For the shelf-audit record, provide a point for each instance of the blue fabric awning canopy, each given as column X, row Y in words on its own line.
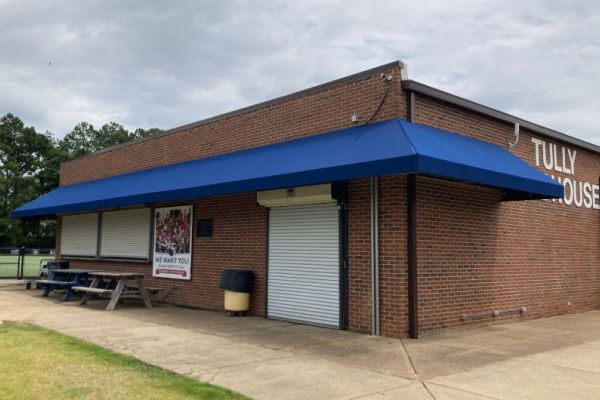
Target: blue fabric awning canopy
column 389, row 147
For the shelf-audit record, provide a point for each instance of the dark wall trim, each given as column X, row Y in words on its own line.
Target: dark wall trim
column 437, row 94
column 343, row 253
column 99, row 235
column 304, row 92
column 411, row 246
column 124, row 259
column 151, row 241
column 268, row 218
column 410, row 109
column 374, row 231
column 411, row 238
column 76, row 257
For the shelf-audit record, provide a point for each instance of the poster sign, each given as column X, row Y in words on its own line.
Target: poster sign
column 173, row 242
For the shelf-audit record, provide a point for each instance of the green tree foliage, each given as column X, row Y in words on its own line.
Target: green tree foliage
column 85, row 139
column 23, row 161
column 78, row 142
column 30, row 166
column 144, row 133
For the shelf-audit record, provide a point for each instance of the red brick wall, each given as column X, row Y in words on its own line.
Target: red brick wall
column 359, row 255
column 393, row 294
column 317, row 112
column 240, row 224
column 393, row 267
column 238, row 241
column 477, row 254
column 457, row 252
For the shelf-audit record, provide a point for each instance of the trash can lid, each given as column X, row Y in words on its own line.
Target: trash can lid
column 237, row 280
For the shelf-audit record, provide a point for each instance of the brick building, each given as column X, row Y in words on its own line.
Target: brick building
column 354, row 205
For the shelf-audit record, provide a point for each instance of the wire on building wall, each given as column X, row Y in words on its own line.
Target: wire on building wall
column 388, row 83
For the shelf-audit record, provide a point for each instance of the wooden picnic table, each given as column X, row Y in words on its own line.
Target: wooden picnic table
column 121, row 291
column 65, row 279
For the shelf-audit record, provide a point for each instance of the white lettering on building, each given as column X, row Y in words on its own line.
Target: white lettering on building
column 562, row 159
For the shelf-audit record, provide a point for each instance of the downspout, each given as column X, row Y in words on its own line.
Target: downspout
column 374, row 256
column 411, row 235
column 511, row 145
column 374, row 183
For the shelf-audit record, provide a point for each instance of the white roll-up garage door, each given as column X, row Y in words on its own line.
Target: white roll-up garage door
column 126, row 234
column 303, row 274
column 79, row 235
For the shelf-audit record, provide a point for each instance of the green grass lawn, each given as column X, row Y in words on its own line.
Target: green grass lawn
column 36, row 363
column 8, row 265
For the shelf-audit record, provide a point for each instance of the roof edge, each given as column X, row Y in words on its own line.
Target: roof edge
column 410, row 85
column 253, row 107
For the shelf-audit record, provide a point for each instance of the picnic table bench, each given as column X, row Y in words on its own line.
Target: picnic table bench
column 121, row 291
column 63, row 279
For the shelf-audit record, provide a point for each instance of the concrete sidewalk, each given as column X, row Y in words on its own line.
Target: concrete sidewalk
column 552, row 358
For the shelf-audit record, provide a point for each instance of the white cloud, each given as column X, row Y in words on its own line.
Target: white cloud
column 151, row 63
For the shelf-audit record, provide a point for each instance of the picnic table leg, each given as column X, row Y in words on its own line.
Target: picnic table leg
column 114, row 298
column 143, row 292
column 87, row 296
column 106, row 284
column 48, row 287
column 68, row 294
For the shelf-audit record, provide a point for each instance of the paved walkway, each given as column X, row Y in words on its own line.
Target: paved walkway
column 552, row 358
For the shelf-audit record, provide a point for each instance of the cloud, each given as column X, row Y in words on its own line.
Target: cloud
column 157, row 64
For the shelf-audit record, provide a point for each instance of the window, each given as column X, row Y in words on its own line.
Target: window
column 79, row 235
column 126, row 234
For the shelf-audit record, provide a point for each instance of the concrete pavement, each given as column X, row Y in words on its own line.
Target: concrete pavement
column 551, row 358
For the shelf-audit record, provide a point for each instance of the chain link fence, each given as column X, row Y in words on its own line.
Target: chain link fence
column 23, row 263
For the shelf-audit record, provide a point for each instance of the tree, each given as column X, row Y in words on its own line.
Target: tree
column 24, row 156
column 111, row 134
column 30, row 166
column 85, row 139
column 79, row 141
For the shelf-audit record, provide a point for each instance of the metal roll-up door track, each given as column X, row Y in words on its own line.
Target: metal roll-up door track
column 304, row 273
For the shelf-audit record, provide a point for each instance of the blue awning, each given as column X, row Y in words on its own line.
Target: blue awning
column 389, row 147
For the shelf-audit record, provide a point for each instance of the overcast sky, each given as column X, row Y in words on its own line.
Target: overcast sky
column 167, row 63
